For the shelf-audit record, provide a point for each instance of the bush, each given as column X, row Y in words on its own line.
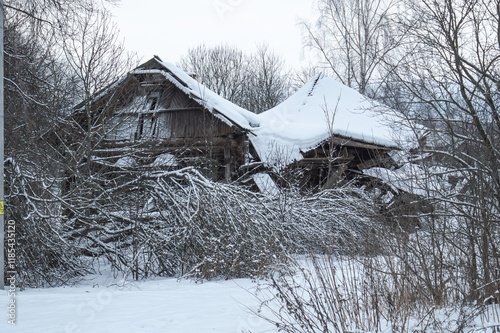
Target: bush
column 182, row 224
column 362, row 294
column 175, row 223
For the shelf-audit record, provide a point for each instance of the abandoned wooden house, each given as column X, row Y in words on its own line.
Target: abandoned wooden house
column 158, row 116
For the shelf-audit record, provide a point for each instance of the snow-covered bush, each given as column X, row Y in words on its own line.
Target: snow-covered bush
column 149, row 222
column 42, row 254
column 191, row 226
column 179, row 223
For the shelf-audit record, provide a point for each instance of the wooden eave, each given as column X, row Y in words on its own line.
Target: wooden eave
column 349, row 142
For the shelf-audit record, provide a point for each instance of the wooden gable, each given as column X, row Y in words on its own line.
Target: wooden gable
column 152, row 108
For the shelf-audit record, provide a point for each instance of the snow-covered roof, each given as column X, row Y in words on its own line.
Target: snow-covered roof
column 321, row 108
column 225, row 110
column 413, row 178
column 265, row 184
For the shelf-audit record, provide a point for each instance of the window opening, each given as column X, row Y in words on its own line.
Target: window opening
column 153, row 99
column 140, row 127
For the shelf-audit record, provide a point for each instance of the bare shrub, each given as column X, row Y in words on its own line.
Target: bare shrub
column 358, row 294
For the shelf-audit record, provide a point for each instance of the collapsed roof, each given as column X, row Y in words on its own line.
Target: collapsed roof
column 323, row 108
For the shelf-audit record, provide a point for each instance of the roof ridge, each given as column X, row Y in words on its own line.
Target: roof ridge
column 318, row 76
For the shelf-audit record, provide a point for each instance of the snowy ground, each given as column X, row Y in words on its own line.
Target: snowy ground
column 161, row 305
column 100, row 304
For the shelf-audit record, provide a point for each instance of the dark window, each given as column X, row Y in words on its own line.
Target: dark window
column 140, row 127
column 153, row 99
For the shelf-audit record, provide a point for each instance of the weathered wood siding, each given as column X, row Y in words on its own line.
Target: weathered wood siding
column 172, row 115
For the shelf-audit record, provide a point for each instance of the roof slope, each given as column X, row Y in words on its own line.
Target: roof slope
column 321, row 108
column 227, row 111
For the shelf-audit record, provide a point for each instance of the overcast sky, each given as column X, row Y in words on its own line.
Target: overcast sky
column 169, row 28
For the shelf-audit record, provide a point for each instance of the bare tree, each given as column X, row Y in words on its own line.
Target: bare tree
column 95, row 59
column 452, row 69
column 269, row 80
column 223, row 69
column 354, row 40
column 256, row 82
column 40, row 89
column 93, row 52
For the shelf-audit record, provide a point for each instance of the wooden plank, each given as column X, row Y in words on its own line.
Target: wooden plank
column 161, row 110
column 246, row 151
column 370, row 163
column 341, row 141
column 227, row 162
column 340, row 159
column 334, row 178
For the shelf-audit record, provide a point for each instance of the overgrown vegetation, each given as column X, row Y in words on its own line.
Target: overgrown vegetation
column 443, row 273
column 336, row 293
column 178, row 223
column 436, row 62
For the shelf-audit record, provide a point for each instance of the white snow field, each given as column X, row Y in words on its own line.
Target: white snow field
column 168, row 305
column 160, row 305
